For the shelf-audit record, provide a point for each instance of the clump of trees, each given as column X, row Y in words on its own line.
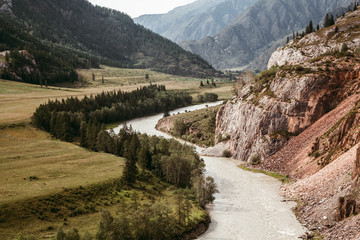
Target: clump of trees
column 328, row 22
column 207, row 97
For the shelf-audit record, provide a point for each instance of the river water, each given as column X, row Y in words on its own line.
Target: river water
column 248, row 205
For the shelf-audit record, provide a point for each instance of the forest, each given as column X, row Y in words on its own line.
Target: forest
column 72, row 117
column 147, row 157
column 62, row 36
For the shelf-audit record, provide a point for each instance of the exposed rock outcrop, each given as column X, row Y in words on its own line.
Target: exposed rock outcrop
column 286, row 100
column 326, row 41
column 314, row 94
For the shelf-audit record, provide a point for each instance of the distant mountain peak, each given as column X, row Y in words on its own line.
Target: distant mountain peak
column 194, row 21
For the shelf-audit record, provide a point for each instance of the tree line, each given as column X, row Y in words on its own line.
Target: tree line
column 70, row 118
column 167, row 160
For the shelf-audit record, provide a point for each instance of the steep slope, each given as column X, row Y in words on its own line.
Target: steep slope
column 196, row 20
column 104, row 35
column 303, row 119
column 286, row 100
column 261, row 27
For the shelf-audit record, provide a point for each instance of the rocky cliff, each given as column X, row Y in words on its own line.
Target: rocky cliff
column 287, row 99
column 301, row 118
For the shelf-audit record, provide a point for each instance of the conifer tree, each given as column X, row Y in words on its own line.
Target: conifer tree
column 83, row 134
column 130, row 169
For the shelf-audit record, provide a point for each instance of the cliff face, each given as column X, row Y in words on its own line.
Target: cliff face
column 286, row 100
column 260, row 123
column 302, row 118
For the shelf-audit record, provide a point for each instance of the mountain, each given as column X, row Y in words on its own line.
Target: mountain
column 301, row 118
column 94, row 35
column 263, row 26
column 196, row 20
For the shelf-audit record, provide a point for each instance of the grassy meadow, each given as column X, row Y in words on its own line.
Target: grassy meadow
column 47, row 183
column 18, row 101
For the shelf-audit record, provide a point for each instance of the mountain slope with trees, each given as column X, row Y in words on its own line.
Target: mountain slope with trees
column 196, row 20
column 92, row 35
column 262, row 27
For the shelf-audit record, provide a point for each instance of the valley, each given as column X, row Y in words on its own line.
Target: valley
column 111, row 131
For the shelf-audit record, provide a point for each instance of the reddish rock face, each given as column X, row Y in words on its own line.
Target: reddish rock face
column 263, row 126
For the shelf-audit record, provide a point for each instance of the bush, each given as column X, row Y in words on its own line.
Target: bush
column 227, row 153
column 255, row 160
column 179, row 127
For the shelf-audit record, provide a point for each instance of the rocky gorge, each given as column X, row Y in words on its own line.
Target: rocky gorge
column 301, row 118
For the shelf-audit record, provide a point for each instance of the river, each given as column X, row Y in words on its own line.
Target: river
column 248, row 205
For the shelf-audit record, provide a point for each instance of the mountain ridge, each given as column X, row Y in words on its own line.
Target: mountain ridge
column 263, row 26
column 97, row 35
column 196, row 20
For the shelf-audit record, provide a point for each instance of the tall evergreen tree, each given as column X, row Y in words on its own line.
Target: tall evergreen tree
column 130, row 169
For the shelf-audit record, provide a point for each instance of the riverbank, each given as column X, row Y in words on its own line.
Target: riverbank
column 247, row 201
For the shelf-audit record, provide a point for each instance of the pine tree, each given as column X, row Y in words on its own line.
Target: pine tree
column 309, row 28
column 327, row 20
column 287, row 40
column 331, row 20
column 130, row 169
column 83, row 134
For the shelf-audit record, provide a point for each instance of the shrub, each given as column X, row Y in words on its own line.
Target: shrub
column 227, row 153
column 255, row 160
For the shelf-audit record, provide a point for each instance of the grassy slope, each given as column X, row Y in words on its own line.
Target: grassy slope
column 198, row 121
column 27, row 152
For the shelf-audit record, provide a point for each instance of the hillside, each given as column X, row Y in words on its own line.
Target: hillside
column 91, row 35
column 262, row 27
column 301, row 118
column 196, row 20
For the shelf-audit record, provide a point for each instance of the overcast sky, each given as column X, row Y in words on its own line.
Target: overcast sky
column 135, row 8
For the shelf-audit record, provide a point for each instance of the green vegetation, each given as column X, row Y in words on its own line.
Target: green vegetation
column 281, row 134
column 74, row 117
column 39, row 63
column 197, row 127
column 62, row 201
column 226, row 153
column 207, row 97
column 62, row 185
column 282, row 178
column 61, row 42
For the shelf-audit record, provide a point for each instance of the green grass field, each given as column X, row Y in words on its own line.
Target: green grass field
column 18, row 101
column 34, row 167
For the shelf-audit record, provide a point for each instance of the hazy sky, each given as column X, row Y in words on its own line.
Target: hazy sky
column 135, row 8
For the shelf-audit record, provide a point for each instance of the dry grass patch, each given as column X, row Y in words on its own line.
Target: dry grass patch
column 32, row 164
